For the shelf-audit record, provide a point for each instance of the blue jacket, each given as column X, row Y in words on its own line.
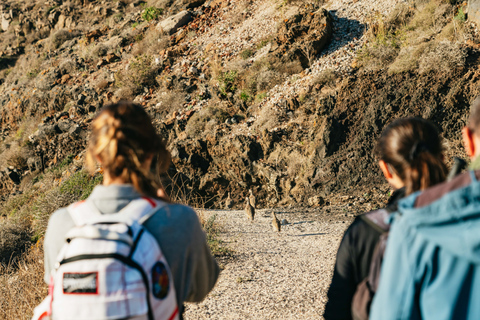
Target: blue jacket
column 431, row 268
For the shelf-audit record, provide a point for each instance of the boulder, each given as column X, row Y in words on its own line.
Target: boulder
column 34, row 164
column 61, row 22
column 5, row 21
column 315, row 201
column 171, row 24
column 302, row 36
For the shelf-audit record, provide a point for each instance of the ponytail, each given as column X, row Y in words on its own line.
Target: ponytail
column 412, row 146
column 425, row 170
column 124, row 139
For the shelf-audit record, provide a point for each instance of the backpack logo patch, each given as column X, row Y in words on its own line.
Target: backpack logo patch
column 80, row 283
column 160, row 280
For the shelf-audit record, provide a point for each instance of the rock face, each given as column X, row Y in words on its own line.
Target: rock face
column 171, row 24
column 303, row 36
column 299, row 140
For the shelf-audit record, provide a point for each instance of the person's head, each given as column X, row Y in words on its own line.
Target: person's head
column 410, row 153
column 124, row 142
column 471, row 133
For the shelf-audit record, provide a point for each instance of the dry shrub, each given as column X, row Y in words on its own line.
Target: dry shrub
column 15, row 238
column 444, row 57
column 205, row 120
column 94, row 51
column 152, row 43
column 326, row 77
column 125, row 93
column 375, row 57
column 59, row 37
column 67, row 66
column 100, row 50
column 296, row 164
column 140, row 73
column 265, row 80
column 15, row 155
column 453, row 31
column 268, row 118
column 289, row 68
column 22, row 286
column 399, row 17
column 407, row 59
column 400, row 40
column 261, row 77
column 431, row 17
column 26, row 68
column 169, row 101
column 17, row 161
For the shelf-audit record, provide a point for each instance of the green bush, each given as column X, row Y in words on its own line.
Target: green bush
column 247, row 53
column 151, row 13
column 226, row 82
column 245, row 96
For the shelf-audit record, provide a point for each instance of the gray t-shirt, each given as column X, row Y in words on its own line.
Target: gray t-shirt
column 176, row 228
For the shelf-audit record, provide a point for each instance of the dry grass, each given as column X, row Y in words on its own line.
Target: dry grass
column 421, row 37
column 268, row 118
column 442, row 58
column 327, row 78
column 15, row 238
column 169, row 101
column 407, row 59
column 140, row 73
column 22, row 286
column 61, row 36
column 205, row 120
column 152, row 43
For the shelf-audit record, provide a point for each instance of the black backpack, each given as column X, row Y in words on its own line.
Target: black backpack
column 362, row 299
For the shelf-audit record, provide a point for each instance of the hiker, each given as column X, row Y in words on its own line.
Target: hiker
column 124, row 143
column 431, row 268
column 410, row 157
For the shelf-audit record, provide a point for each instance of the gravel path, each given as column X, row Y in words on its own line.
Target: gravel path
column 274, row 276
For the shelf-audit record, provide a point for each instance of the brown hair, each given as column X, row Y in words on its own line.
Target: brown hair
column 123, row 138
column 412, row 147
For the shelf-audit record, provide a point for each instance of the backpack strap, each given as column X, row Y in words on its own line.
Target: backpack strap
column 376, row 219
column 140, row 210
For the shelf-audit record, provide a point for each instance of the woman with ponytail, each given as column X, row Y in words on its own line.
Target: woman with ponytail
column 125, row 144
column 410, row 157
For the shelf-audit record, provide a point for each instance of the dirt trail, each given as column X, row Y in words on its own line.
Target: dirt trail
column 274, row 276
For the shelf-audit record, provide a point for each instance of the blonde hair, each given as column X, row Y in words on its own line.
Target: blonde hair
column 123, row 138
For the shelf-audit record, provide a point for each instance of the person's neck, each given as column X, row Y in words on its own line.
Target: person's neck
column 108, row 179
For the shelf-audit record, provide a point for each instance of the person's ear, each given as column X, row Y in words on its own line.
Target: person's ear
column 99, row 160
column 385, row 170
column 468, row 143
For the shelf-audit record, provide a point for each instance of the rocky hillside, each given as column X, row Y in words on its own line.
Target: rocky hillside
column 284, row 97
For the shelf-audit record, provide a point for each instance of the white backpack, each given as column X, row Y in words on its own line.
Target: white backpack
column 110, row 267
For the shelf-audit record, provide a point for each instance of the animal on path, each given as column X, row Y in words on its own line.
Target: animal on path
column 275, row 222
column 249, row 209
column 253, row 200
column 228, row 202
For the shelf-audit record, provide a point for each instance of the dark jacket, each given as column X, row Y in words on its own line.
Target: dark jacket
column 353, row 263
column 432, row 261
